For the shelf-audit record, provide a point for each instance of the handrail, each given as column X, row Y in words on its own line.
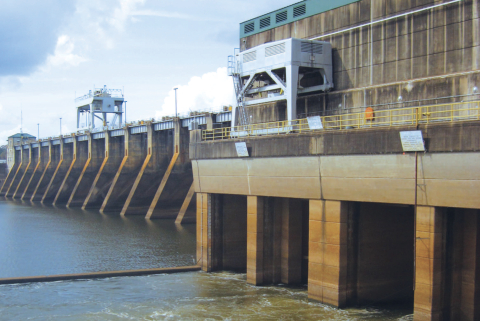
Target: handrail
column 452, row 112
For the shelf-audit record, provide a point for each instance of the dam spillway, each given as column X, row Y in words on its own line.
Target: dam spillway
column 307, row 180
column 138, row 169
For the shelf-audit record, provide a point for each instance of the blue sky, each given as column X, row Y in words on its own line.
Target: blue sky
column 52, row 50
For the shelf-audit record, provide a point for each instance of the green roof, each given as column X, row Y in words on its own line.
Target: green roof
column 20, row 135
column 294, row 12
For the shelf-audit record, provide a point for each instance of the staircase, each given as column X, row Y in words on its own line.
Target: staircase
column 234, row 71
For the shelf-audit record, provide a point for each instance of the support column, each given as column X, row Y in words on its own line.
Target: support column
column 35, row 171
column 291, row 264
column 204, row 242
column 20, row 183
column 100, row 170
column 175, row 159
column 142, row 170
column 186, row 203
column 430, row 255
column 291, row 93
column 255, row 218
column 67, row 175
column 327, row 270
column 59, row 165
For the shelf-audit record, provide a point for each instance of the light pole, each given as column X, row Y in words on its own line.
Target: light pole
column 60, row 126
column 38, row 131
column 125, row 112
column 176, row 115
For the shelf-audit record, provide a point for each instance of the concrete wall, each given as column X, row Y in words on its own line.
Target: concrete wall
column 426, row 55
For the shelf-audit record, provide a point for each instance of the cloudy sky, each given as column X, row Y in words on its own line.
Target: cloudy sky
column 54, row 50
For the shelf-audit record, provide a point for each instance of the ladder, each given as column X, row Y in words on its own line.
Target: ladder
column 234, row 71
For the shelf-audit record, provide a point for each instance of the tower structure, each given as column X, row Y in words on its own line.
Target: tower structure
column 98, row 104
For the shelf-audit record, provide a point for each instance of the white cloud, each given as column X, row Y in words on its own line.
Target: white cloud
column 163, row 14
column 209, row 92
column 120, row 14
column 64, row 53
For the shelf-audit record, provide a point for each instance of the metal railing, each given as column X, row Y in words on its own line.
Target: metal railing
column 453, row 112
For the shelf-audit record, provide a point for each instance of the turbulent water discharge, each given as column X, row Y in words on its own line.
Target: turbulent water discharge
column 38, row 240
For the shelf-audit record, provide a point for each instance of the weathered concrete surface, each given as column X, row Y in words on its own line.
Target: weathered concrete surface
column 61, row 170
column 96, row 153
column 426, row 55
column 11, row 174
column 222, row 232
column 50, row 157
column 118, row 193
column 347, row 168
column 105, row 175
column 39, row 154
column 439, row 138
column 71, row 177
column 19, row 175
column 31, row 168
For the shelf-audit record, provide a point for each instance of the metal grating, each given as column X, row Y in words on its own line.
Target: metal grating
column 275, row 50
column 138, row 129
column 117, row 132
column 249, row 27
column 264, row 22
column 164, row 125
column 314, row 48
column 224, row 117
column 250, row 56
column 98, row 135
column 300, row 10
column 281, row 16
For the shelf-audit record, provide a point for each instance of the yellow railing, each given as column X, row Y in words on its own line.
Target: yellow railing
column 454, row 112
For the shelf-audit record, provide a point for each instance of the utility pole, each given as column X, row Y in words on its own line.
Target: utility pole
column 176, row 114
column 60, row 126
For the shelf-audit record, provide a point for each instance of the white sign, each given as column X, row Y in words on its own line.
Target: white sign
column 412, row 141
column 242, row 150
column 315, row 122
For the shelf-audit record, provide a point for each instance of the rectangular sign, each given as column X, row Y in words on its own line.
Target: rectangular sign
column 242, row 150
column 315, row 122
column 412, row 141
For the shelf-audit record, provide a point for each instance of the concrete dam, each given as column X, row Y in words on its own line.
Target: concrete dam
column 350, row 162
column 142, row 169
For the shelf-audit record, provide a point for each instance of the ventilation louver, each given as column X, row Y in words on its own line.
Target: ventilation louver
column 249, row 27
column 300, row 10
column 314, row 48
column 265, row 22
column 250, row 56
column 275, row 50
column 281, row 16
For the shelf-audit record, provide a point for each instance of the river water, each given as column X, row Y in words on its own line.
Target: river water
column 42, row 240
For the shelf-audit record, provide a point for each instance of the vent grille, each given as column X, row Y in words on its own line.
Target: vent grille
column 275, row 50
column 250, row 56
column 249, row 27
column 281, row 16
column 300, row 10
column 265, row 22
column 314, row 48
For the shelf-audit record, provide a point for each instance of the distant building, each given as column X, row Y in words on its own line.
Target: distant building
column 16, row 140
